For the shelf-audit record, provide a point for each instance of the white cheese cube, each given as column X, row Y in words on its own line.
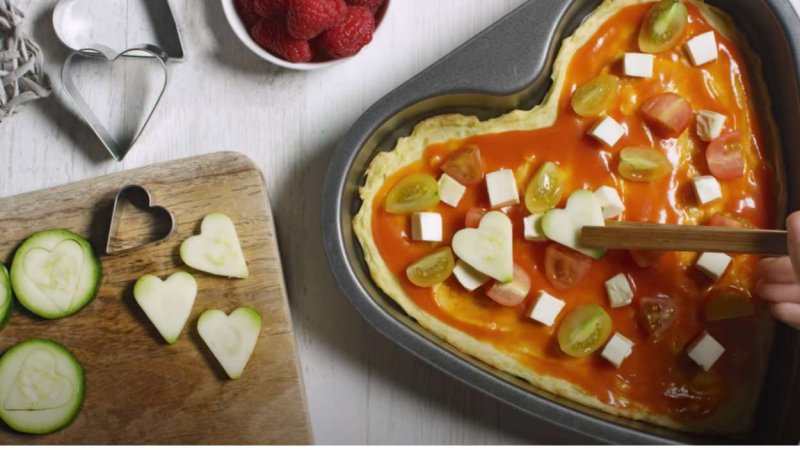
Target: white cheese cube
column 533, row 228
column 705, row 351
column 470, row 278
column 618, row 348
column 607, row 131
column 707, row 189
column 450, row 190
column 502, row 187
column 702, row 48
column 610, row 200
column 546, row 308
column 638, row 65
column 619, row 291
column 713, row 264
column 426, row 226
column 709, row 124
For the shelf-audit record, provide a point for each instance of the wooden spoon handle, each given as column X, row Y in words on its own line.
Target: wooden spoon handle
column 652, row 236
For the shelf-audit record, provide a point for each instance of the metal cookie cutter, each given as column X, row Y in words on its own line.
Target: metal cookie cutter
column 129, row 192
column 76, row 33
column 101, row 51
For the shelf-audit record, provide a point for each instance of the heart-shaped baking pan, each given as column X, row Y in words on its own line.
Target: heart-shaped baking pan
column 99, row 51
column 508, row 67
column 137, row 222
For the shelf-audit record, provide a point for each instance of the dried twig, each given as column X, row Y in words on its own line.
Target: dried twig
column 22, row 77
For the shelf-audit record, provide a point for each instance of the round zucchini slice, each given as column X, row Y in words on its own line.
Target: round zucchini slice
column 6, row 299
column 41, row 387
column 55, row 273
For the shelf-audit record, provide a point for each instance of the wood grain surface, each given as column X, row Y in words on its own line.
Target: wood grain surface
column 139, row 390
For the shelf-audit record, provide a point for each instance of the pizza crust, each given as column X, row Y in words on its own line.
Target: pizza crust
column 736, row 417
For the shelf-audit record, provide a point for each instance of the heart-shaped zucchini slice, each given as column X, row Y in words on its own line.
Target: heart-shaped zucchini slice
column 231, row 338
column 167, row 303
column 488, row 248
column 216, row 250
column 565, row 225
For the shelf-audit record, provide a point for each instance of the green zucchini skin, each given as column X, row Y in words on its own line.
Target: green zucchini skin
column 7, row 296
column 78, row 395
column 18, row 276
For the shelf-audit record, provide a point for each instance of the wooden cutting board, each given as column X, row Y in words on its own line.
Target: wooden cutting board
column 139, row 390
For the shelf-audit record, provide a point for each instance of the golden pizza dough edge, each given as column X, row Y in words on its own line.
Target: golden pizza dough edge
column 735, row 418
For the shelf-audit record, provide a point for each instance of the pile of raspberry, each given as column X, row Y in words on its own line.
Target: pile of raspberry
column 310, row 30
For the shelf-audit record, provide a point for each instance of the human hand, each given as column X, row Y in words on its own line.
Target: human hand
column 778, row 278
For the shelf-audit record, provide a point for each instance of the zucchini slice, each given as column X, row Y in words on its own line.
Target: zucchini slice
column 216, row 250
column 6, row 298
column 55, row 273
column 41, row 387
column 167, row 303
column 231, row 338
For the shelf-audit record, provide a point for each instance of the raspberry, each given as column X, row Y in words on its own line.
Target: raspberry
column 269, row 9
column 308, row 18
column 352, row 34
column 247, row 12
column 373, row 5
column 273, row 36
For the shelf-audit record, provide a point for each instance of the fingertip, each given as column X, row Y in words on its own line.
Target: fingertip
column 787, row 313
column 793, row 228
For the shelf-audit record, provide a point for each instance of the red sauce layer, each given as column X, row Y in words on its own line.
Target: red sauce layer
column 658, row 375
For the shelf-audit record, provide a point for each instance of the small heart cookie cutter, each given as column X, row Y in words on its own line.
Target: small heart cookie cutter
column 126, row 193
column 101, row 51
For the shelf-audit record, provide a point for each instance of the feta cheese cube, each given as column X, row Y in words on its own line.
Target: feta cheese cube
column 638, row 65
column 705, row 351
column 610, row 200
column 426, row 226
column 713, row 264
column 607, row 131
column 618, row 348
column 533, row 228
column 546, row 308
column 619, row 291
column 709, row 124
column 502, row 187
column 702, row 48
column 707, row 189
column 470, row 278
column 450, row 190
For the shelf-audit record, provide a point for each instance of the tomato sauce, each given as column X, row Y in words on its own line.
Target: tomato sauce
column 658, row 375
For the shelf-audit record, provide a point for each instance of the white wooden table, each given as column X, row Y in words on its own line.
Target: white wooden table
column 361, row 387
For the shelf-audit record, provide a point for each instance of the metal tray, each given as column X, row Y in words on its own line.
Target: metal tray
column 507, row 67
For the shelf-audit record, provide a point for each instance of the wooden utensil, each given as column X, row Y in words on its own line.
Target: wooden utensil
column 138, row 389
column 692, row 238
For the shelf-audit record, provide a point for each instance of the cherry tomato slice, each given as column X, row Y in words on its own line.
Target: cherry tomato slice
column 465, row 166
column 663, row 26
column 432, row 269
column 728, row 304
column 643, row 164
column 544, row 192
column 725, row 156
column 657, row 314
column 474, row 216
column 564, row 267
column 668, row 114
column 727, row 220
column 584, row 330
column 413, row 193
column 511, row 294
column 593, row 98
column 646, row 258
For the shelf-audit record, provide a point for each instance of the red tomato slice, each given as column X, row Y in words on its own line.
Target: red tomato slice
column 657, row 314
column 646, row 258
column 564, row 267
column 511, row 294
column 726, row 220
column 465, row 166
column 474, row 216
column 667, row 114
column 725, row 156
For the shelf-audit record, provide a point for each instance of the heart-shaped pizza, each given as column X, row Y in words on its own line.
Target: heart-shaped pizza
column 657, row 113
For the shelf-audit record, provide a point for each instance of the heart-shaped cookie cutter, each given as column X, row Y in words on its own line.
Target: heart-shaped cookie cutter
column 101, row 51
column 127, row 192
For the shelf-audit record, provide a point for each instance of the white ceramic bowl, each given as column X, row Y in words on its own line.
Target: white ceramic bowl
column 241, row 31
